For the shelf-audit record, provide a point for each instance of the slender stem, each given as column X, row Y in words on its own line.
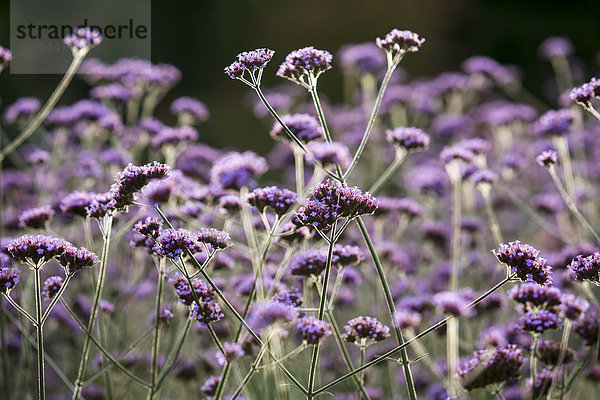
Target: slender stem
column 562, row 146
column 157, row 324
column 222, row 382
column 173, row 355
column 299, row 168
column 5, row 361
column 533, row 360
column 315, row 97
column 452, row 354
column 593, row 111
column 559, row 368
column 410, row 386
column 48, row 106
column 571, row 205
column 40, row 335
column 215, row 339
column 97, row 296
column 371, row 122
column 493, row 220
column 56, row 298
column 251, row 372
column 389, row 171
column 361, row 375
column 20, row 309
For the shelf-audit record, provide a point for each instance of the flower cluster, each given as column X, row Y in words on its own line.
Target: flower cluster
column 491, row 367
column 249, row 61
column 409, row 139
column 206, row 312
column 173, row 243
column 83, row 38
column 400, row 42
column 586, row 268
column 524, row 261
column 555, row 123
column 9, row 277
column 280, row 200
column 203, row 291
column 74, row 259
column 313, row 330
column 303, row 66
column 36, row 218
column 304, row 126
column 51, row 287
column 538, row 321
column 365, row 328
column 36, row 249
column 133, row 179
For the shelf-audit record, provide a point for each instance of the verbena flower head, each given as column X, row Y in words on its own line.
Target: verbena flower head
column 586, row 327
column 583, row 94
column 36, row 218
column 365, row 328
column 556, row 46
column 51, row 287
column 397, row 42
column 484, row 177
column 531, row 295
column 21, row 110
column 555, row 123
column 572, row 307
column 249, row 61
column 83, row 38
column 408, row 138
column 101, row 205
column 133, row 179
column 279, row 200
column 304, row 66
column 524, row 261
column 491, row 367
column 304, row 126
column 5, row 57
column 9, row 277
column 206, row 312
column 115, row 92
column 313, row 330
column 291, row 296
column 175, row 136
column 586, row 268
column 405, row 318
column 204, row 291
column 309, row 263
column 452, row 303
column 547, row 158
column 174, row 243
column 539, row 321
column 209, row 387
column 236, row 170
column 77, row 202
column 347, row 255
column 232, row 351
column 190, row 109
column 456, row 153
column 36, row 249
column 500, row 74
column 361, row 58
column 271, row 312
column 74, row 259
column 214, row 238
column 328, row 153
column 149, row 226
column 548, row 352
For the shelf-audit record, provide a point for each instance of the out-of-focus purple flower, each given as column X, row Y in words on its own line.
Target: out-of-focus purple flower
column 531, row 295
column 74, row 259
column 492, row 336
column 5, row 57
column 572, row 307
column 586, row 268
column 304, row 126
column 452, row 303
column 230, row 204
column 491, row 367
column 503, row 113
column 173, row 243
column 280, row 200
column 549, row 352
column 236, row 170
column 9, row 277
column 547, row 158
column 313, row 330
column 270, row 312
column 484, row 176
column 175, row 136
column 249, row 60
column 400, row 41
column 101, row 205
column 362, row 58
column 308, row 263
column 539, row 321
column 209, row 387
column 524, row 261
column 204, row 291
column 456, row 153
column 83, row 38
column 555, row 122
column 405, row 206
column 408, row 138
column 500, row 74
column 328, row 154
column 36, row 218
column 206, row 312
column 303, row 66
column 51, row 287
column 347, row 255
column 36, row 249
column 21, row 110
column 38, row 157
column 148, row 227
column 587, row 327
column 214, row 238
column 232, row 351
column 290, row 296
column 365, row 328
column 556, row 46
column 115, row 92
column 405, row 318
column 151, row 125
column 133, row 179
column 190, row 110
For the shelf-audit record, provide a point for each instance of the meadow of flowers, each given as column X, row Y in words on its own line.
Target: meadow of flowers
column 430, row 238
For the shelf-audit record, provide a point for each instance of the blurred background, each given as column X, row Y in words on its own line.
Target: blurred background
column 202, row 37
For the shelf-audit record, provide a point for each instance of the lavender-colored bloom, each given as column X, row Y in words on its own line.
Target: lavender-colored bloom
column 204, row 291
column 547, row 158
column 232, row 351
column 290, row 296
column 280, row 200
column 484, row 176
column 587, row 327
column 101, row 205
column 217, row 240
column 83, row 38
column 133, row 179
column 583, row 94
column 555, row 46
column 209, row 387
column 270, row 312
column 36, row 218
column 115, row 92
column 38, row 157
column 555, row 122
column 539, row 321
column 586, row 268
column 173, row 243
column 405, row 318
column 501, row 74
column 9, row 277
column 406, row 207
column 191, row 108
column 365, row 328
column 328, row 153
column 452, row 303
column 400, row 41
column 21, row 110
column 36, row 249
column 5, row 56
column 572, row 307
column 236, row 170
column 491, row 367
column 456, row 153
column 230, row 204
column 249, row 60
column 175, row 136
column 549, row 352
column 51, row 287
column 74, row 259
column 408, row 138
column 362, row 58
column 304, row 126
column 313, row 330
column 150, row 227
column 524, row 261
column 303, row 66
column 532, row 295
column 151, row 125
column 347, row 255
column 309, row 263
column 503, row 113
column 492, row 336
column 206, row 312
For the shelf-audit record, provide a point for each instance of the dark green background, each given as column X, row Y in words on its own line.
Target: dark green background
column 201, row 37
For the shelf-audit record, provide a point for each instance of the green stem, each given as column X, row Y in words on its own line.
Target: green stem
column 389, row 171
column 559, row 368
column 56, row 298
column 493, row 220
column 40, row 335
column 96, row 302
column 20, row 309
column 156, row 338
column 173, row 355
column 317, row 102
column 251, row 372
column 533, row 360
column 5, row 361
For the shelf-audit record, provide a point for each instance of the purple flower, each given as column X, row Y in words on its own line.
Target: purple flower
column 190, row 108
column 405, row 318
column 587, row 328
column 236, row 170
column 232, row 351
column 365, row 328
column 5, row 56
column 209, row 387
column 101, row 205
column 501, row 74
column 313, row 330
column 148, row 227
column 503, row 113
column 555, row 123
column 280, row 200
column 400, row 41
column 21, row 110
column 51, row 287
column 204, row 291
column 362, row 58
column 290, row 296
column 173, row 243
column 270, row 312
column 304, row 126
column 115, row 92
column 309, row 263
column 408, row 138
column 532, row 295
column 572, row 307
column 133, row 179
column 83, row 38
column 491, row 367
column 583, row 94
column 174, row 136
column 555, row 46
column 328, row 154
column 547, row 158
column 549, row 352
column 38, row 157
column 35, row 249
column 217, row 240
column 36, row 218
column 524, row 261
column 249, row 60
column 303, row 66
column 452, row 303
column 405, row 206
column 586, row 268
column 74, row 259
column 456, row 153
column 9, row 277
column 539, row 321
column 206, row 312
column 77, row 202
